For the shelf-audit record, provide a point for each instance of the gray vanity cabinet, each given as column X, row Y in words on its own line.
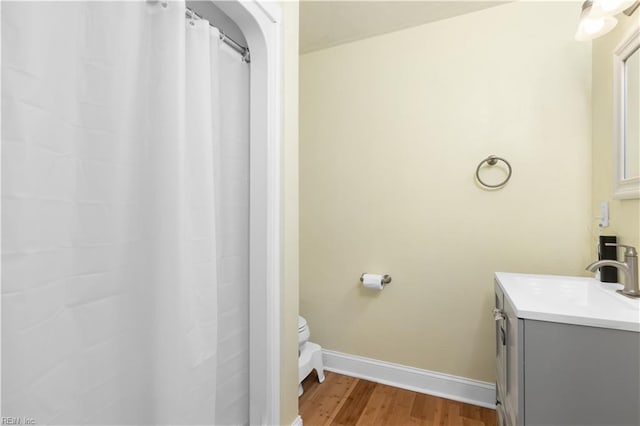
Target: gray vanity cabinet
column 551, row 373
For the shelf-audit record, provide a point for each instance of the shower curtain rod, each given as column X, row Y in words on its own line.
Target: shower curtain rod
column 242, row 50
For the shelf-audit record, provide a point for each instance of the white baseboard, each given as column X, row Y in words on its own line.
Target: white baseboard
column 297, row 421
column 423, row 381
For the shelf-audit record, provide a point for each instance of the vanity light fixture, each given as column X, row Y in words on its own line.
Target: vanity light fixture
column 597, row 17
column 592, row 26
column 611, row 7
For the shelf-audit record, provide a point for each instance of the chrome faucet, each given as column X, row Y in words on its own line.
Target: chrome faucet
column 629, row 267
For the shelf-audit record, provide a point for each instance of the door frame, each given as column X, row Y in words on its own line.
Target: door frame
column 260, row 23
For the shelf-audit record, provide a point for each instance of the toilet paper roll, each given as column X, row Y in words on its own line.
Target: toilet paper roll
column 373, row 281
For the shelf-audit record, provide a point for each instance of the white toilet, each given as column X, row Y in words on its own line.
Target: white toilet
column 309, row 355
column 303, row 333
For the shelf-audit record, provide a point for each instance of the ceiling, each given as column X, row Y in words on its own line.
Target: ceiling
column 328, row 23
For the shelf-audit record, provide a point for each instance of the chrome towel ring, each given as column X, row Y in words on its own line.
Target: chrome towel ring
column 492, row 160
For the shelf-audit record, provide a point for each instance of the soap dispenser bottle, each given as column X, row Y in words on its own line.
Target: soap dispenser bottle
column 608, row 274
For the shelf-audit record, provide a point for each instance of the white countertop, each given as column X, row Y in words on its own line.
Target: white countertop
column 570, row 300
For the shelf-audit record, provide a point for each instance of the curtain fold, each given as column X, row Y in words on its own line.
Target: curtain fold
column 111, row 127
column 230, row 81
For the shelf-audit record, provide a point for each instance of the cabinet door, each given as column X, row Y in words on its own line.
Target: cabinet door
column 577, row 375
column 513, row 395
column 500, row 342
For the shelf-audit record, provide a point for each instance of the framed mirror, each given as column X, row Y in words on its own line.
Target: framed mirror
column 626, row 62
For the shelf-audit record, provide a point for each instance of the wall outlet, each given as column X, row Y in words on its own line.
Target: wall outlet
column 604, row 214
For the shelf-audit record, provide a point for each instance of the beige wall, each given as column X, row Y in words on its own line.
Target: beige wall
column 624, row 214
column 392, row 128
column 289, row 299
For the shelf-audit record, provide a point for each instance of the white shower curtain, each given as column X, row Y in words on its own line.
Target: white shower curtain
column 112, row 128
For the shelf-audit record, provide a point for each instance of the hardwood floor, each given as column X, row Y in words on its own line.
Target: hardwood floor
column 347, row 401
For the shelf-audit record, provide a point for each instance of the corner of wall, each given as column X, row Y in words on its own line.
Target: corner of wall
column 290, row 268
column 624, row 214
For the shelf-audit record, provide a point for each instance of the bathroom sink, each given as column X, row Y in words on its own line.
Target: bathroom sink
column 572, row 300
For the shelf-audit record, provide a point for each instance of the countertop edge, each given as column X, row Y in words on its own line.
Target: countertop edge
column 559, row 318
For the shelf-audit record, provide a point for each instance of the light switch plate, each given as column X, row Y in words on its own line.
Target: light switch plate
column 604, row 214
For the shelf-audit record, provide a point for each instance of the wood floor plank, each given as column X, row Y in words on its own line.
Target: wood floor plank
column 355, row 404
column 402, row 403
column 347, row 401
column 424, row 407
column 320, row 406
column 310, row 385
column 385, row 414
column 453, row 412
column 376, row 404
column 343, row 402
column 441, row 413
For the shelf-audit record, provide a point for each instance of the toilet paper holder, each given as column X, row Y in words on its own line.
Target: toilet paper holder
column 386, row 279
